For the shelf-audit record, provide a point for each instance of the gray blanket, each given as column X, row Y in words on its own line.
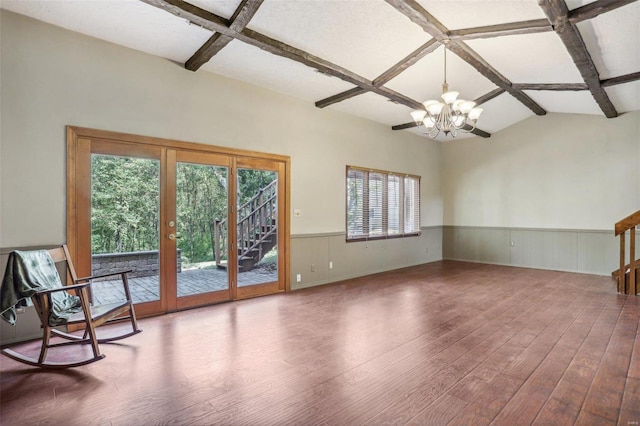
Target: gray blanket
column 28, row 272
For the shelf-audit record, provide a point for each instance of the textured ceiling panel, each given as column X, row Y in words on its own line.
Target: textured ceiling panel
column 241, row 61
column 364, row 36
column 626, row 97
column 529, row 58
column 581, row 102
column 223, row 8
column 456, row 15
column 501, row 112
column 129, row 23
column 614, row 52
column 374, row 107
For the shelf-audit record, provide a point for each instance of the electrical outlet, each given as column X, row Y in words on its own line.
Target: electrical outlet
column 298, row 278
column 330, row 265
column 297, row 212
column 20, row 310
column 513, row 243
column 313, row 267
column 426, row 250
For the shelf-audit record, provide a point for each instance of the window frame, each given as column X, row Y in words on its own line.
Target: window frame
column 367, row 236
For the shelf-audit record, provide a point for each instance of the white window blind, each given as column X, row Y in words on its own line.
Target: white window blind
column 394, row 209
column 381, row 204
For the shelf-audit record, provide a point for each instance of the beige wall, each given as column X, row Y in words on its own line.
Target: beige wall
column 559, row 171
column 52, row 77
column 544, row 193
column 312, row 255
column 585, row 251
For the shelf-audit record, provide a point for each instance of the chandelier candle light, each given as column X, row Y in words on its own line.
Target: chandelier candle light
column 453, row 116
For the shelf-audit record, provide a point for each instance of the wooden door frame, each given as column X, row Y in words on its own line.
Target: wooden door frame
column 79, row 140
column 277, row 167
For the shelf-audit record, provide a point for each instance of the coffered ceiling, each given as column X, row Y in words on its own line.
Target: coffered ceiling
column 379, row 59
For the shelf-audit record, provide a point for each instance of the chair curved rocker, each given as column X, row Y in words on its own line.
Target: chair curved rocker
column 88, row 316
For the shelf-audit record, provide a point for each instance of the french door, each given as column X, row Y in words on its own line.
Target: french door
column 196, row 224
column 259, row 218
column 197, row 200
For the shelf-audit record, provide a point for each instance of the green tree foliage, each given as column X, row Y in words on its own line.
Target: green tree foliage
column 250, row 182
column 201, row 198
column 124, row 204
column 125, row 194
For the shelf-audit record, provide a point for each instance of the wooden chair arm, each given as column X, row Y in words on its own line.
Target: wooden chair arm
column 63, row 288
column 124, row 271
column 124, row 281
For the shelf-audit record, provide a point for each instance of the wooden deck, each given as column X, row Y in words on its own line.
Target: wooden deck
column 444, row 343
column 194, row 281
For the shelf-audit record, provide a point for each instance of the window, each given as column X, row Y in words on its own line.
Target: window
column 381, row 204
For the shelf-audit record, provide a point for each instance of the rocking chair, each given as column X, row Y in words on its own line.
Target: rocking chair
column 33, row 274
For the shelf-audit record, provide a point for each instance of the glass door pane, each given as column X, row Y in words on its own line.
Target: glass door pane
column 201, row 216
column 125, row 205
column 197, row 229
column 257, row 227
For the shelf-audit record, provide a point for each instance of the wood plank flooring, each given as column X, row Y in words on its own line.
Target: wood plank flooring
column 444, row 343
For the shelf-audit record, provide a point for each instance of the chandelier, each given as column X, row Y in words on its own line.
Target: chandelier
column 449, row 117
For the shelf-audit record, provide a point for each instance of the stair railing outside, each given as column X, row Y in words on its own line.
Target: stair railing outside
column 262, row 224
column 629, row 223
column 257, row 221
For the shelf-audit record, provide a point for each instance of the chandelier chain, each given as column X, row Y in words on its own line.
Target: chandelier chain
column 450, row 116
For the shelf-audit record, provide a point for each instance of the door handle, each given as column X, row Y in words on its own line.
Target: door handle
column 174, row 237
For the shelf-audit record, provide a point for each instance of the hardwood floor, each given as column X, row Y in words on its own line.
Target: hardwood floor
column 443, row 343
